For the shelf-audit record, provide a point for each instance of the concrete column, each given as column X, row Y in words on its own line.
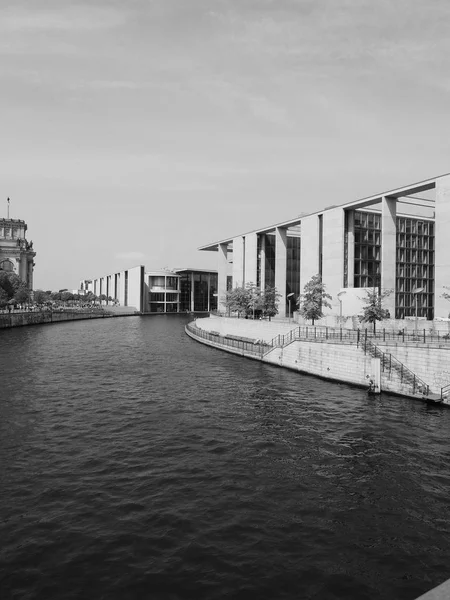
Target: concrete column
column 442, row 247
column 388, row 251
column 192, row 293
column 222, row 270
column 238, row 262
column 351, row 248
column 262, row 260
column 209, row 292
column 251, row 258
column 333, row 256
column 280, row 267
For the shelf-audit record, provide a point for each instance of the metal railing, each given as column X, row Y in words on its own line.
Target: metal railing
column 362, row 339
column 389, row 363
column 445, row 391
column 255, row 347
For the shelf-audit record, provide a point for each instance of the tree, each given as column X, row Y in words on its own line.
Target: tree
column 22, row 294
column 314, row 299
column 66, row 296
column 40, row 297
column 270, row 301
column 373, row 310
column 238, row 300
column 12, row 289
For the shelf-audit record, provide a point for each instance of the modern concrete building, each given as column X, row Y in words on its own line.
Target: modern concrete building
column 163, row 291
column 16, row 253
column 396, row 241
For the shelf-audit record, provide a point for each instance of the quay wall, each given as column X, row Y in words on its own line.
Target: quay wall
column 22, row 319
column 344, row 362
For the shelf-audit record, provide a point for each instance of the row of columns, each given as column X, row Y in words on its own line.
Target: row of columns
column 245, row 265
column 245, row 257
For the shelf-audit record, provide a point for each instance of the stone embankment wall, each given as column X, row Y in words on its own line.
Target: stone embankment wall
column 21, row 319
column 344, row 362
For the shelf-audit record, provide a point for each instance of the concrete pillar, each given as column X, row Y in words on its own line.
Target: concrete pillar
column 442, row 247
column 251, row 258
column 333, row 256
column 262, row 262
column 192, row 300
column 238, row 262
column 351, row 248
column 388, row 251
column 222, row 270
column 280, row 267
column 309, row 250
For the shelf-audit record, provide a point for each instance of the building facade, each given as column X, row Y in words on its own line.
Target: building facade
column 162, row 291
column 395, row 242
column 16, row 253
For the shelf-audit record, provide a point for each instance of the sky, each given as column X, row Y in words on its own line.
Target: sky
column 134, row 132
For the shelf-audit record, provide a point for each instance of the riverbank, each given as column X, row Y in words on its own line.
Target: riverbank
column 23, row 319
column 413, row 369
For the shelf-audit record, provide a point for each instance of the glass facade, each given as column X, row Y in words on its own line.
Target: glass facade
column 198, row 291
column 367, row 250
column 415, row 268
column 414, row 261
column 293, row 268
column 163, row 294
column 270, row 261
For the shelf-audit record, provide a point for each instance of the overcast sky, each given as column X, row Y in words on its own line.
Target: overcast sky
column 133, row 132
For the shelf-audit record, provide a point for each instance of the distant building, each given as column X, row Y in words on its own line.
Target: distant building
column 16, row 253
column 159, row 291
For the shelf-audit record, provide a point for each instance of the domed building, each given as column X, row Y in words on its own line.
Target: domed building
column 16, row 253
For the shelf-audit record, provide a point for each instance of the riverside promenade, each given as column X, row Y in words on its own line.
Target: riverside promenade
column 41, row 317
column 405, row 364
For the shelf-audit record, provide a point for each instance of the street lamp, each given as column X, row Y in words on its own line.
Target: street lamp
column 340, row 305
column 289, row 296
column 416, row 291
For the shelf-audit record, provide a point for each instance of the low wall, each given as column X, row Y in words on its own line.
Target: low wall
column 21, row 319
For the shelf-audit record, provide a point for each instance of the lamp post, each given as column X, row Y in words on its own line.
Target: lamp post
column 289, row 296
column 416, row 291
column 340, row 305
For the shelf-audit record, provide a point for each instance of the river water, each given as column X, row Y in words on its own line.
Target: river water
column 137, row 463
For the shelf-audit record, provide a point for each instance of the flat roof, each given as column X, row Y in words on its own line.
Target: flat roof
column 414, row 188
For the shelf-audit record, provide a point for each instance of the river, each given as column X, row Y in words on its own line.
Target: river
column 137, row 463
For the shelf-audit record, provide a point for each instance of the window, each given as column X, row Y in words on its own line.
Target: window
column 7, row 265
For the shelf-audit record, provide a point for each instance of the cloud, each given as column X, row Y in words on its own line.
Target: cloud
column 71, row 18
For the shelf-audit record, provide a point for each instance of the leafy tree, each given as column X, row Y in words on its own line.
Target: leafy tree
column 40, row 297
column 250, row 300
column 22, row 294
column 66, row 296
column 238, row 300
column 270, row 299
column 314, row 299
column 373, row 310
column 12, row 289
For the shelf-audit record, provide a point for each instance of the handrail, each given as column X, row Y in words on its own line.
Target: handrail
column 445, row 391
column 394, row 364
column 388, row 361
column 255, row 347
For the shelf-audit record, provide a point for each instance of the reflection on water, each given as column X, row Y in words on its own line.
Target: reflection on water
column 137, row 463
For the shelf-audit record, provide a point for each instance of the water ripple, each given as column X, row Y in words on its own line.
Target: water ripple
column 137, row 463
